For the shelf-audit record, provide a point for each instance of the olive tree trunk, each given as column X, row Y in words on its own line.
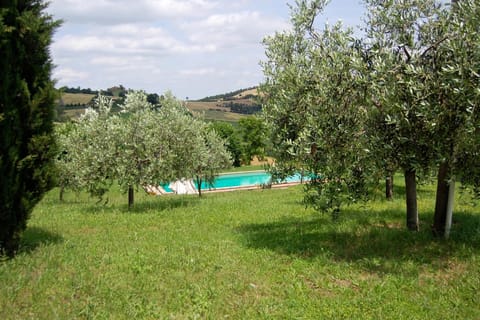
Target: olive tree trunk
column 198, row 182
column 441, row 201
column 411, row 197
column 389, row 187
column 131, row 197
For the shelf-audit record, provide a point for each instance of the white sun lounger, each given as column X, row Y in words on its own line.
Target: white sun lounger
column 154, row 190
column 183, row 186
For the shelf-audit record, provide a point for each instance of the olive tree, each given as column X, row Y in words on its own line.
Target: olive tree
column 400, row 38
column 425, row 83
column 139, row 146
column 209, row 157
column 86, row 159
column 454, row 96
column 404, row 97
column 143, row 143
column 67, row 177
column 314, row 105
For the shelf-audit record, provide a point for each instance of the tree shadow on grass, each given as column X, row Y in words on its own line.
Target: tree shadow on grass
column 383, row 246
column 164, row 204
column 145, row 205
column 399, row 191
column 33, row 237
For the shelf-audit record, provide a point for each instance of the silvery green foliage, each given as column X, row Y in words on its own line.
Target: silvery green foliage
column 136, row 102
column 141, row 146
column 400, row 35
column 456, row 89
column 139, row 136
column 314, row 107
column 346, row 109
column 425, row 76
column 67, row 177
column 91, row 141
column 210, row 156
column 166, row 145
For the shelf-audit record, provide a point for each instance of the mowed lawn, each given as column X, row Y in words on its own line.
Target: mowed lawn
column 241, row 255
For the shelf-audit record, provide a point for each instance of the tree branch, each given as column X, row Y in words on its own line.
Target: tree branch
column 409, row 57
column 434, row 45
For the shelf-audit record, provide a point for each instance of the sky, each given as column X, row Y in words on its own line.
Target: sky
column 194, row 48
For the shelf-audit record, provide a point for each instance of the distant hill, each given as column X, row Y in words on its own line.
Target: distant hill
column 234, row 95
column 229, row 107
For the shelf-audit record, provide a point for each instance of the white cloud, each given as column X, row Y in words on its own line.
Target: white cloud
column 84, row 43
column 67, row 75
column 184, row 45
column 233, row 29
column 198, row 72
column 193, row 47
column 104, row 12
column 127, row 39
column 111, row 61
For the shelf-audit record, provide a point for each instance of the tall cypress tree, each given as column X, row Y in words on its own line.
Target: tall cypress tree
column 27, row 98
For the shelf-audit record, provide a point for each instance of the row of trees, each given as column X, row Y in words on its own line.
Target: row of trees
column 245, row 140
column 405, row 97
column 142, row 145
column 243, row 108
column 66, row 89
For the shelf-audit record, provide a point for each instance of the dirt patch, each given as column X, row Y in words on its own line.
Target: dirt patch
column 447, row 272
column 319, row 289
column 389, row 225
column 266, row 160
column 346, row 284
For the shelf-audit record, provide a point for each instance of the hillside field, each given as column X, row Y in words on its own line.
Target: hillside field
column 210, row 110
column 216, row 110
column 76, row 98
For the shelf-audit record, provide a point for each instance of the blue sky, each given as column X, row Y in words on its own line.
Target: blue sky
column 195, row 48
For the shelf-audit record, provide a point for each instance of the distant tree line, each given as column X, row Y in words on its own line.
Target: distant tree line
column 244, row 140
column 66, row 89
column 73, row 106
column 243, row 108
column 116, row 91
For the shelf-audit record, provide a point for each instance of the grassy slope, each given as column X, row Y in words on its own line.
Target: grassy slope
column 253, row 92
column 219, row 110
column 76, row 98
column 242, row 255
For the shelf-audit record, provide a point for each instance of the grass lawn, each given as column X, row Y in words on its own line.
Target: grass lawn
column 256, row 167
column 240, row 255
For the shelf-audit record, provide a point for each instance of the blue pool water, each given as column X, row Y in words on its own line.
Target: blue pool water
column 243, row 179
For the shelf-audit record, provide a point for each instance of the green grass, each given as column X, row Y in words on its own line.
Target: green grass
column 240, row 255
column 222, row 116
column 245, row 168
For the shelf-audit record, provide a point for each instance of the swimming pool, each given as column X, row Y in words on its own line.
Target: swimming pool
column 243, row 179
